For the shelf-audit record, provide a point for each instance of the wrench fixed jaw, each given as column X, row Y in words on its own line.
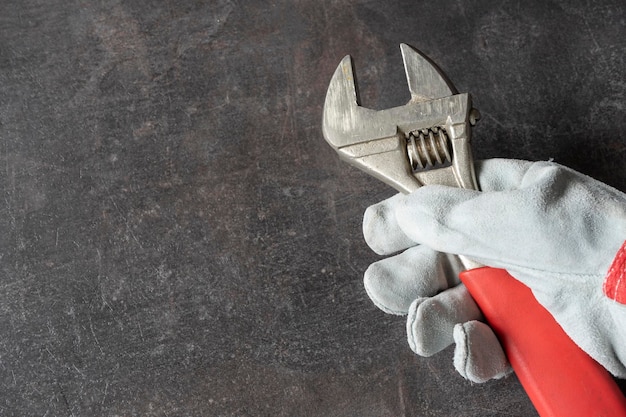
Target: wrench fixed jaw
column 376, row 141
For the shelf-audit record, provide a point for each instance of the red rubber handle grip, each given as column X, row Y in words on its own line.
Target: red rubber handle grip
column 560, row 379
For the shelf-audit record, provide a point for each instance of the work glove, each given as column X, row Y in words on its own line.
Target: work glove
column 559, row 232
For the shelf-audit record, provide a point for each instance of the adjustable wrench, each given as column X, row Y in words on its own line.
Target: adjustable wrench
column 427, row 141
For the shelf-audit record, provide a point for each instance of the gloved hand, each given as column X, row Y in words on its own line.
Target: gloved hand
column 559, row 232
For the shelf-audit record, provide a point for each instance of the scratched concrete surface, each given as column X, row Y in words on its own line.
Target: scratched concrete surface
column 178, row 239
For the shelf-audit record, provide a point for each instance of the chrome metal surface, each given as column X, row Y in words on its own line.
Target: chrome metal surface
column 426, row 141
column 383, row 143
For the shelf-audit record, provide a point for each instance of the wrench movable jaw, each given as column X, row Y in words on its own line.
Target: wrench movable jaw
column 426, row 81
column 423, row 142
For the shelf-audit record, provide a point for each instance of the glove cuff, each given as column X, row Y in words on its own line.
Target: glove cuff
column 615, row 282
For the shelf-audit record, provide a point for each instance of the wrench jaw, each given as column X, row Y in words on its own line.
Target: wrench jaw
column 425, row 80
column 361, row 137
column 382, row 143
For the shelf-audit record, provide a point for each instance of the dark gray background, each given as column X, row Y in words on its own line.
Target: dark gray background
column 179, row 240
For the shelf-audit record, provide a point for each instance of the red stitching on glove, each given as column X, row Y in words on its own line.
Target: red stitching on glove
column 615, row 282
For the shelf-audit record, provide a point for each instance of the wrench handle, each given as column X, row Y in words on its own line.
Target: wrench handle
column 560, row 379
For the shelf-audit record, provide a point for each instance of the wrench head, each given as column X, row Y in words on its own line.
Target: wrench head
column 426, row 81
column 382, row 142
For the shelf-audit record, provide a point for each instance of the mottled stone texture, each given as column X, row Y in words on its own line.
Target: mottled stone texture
column 177, row 239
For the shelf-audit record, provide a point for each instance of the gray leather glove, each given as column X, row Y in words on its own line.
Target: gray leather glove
column 550, row 227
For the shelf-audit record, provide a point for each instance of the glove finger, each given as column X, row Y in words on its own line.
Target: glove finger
column 490, row 228
column 501, row 174
column 451, row 220
column 431, row 320
column 384, row 235
column 478, row 355
column 395, row 282
column 381, row 230
column 519, row 230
